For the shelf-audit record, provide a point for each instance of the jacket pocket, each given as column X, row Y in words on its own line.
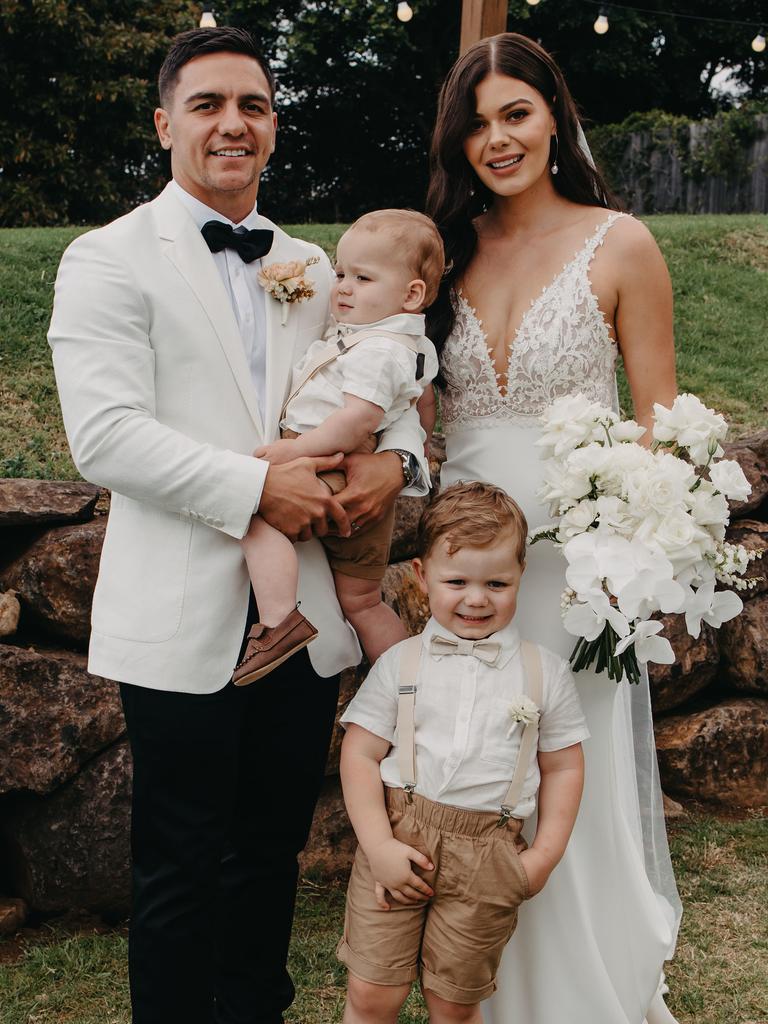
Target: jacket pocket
column 143, row 572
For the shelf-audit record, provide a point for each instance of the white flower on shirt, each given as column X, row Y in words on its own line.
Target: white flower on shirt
column 523, row 711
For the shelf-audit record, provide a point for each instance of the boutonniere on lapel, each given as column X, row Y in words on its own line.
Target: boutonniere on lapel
column 523, row 711
column 286, row 283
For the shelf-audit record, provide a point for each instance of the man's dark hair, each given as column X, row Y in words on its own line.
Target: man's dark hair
column 199, row 41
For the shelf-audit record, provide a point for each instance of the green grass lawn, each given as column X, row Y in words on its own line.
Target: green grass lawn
column 719, row 267
column 719, row 974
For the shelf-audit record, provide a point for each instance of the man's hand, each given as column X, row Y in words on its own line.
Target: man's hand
column 299, row 505
column 279, row 452
column 373, row 483
column 392, row 868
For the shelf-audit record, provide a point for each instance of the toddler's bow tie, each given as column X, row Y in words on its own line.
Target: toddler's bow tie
column 249, row 245
column 485, row 650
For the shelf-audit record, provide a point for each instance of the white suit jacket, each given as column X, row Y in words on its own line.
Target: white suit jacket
column 159, row 406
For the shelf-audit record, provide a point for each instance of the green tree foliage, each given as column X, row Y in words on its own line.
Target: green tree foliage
column 357, row 92
column 648, row 61
column 76, row 126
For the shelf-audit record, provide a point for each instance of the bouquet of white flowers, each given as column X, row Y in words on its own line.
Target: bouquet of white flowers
column 642, row 530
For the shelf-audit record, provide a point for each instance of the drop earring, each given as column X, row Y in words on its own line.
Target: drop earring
column 554, row 167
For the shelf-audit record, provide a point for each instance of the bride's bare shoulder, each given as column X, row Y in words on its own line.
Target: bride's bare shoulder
column 629, row 237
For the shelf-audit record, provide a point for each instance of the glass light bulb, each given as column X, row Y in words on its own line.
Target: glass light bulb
column 758, row 43
column 534, row 2
column 601, row 25
column 404, row 11
column 207, row 20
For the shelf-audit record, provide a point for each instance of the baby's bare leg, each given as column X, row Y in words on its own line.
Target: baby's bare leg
column 376, row 625
column 441, row 1011
column 373, row 1004
column 274, row 570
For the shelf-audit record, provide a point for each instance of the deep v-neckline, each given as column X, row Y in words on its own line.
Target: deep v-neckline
column 511, row 344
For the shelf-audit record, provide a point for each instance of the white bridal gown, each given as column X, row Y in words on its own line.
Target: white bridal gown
column 590, row 948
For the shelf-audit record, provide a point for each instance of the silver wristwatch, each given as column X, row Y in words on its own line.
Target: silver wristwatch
column 410, row 465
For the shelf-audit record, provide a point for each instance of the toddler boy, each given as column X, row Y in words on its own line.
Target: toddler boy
column 448, row 741
column 347, row 389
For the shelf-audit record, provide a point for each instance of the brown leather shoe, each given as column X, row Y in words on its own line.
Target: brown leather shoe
column 270, row 646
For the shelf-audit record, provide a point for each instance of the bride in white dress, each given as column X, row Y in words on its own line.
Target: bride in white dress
column 548, row 285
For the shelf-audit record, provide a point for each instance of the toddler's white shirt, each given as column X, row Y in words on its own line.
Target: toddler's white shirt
column 379, row 370
column 464, row 756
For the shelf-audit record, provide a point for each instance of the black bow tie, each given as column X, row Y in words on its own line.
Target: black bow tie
column 249, row 245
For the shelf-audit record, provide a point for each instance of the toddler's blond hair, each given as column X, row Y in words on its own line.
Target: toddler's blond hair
column 414, row 236
column 471, row 516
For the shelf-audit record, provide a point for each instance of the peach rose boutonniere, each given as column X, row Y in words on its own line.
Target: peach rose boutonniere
column 286, row 283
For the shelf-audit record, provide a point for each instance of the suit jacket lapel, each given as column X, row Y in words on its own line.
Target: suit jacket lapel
column 281, row 337
column 187, row 251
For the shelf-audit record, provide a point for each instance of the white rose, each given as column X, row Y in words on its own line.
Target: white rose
column 615, row 515
column 626, row 431
column 690, row 424
column 567, row 423
column 728, row 477
column 662, row 488
column 682, row 540
column 577, row 519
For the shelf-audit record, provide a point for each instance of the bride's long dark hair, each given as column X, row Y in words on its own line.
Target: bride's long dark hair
column 456, row 195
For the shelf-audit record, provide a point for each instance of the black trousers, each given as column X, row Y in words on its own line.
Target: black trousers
column 224, row 789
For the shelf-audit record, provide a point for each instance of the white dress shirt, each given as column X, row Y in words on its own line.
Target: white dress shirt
column 245, row 293
column 377, row 369
column 465, row 752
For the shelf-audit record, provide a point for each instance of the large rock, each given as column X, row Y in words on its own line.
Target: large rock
column 753, row 535
column 53, row 718
column 752, row 456
column 407, row 514
column 718, row 755
column 72, row 849
column 401, row 591
column 694, row 668
column 332, row 841
column 744, row 645
column 55, row 577
column 351, row 678
column 26, row 502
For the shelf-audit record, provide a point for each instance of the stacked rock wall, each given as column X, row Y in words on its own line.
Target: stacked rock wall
column 64, row 759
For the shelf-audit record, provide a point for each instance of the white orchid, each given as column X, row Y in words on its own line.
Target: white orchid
column 710, row 607
column 647, row 644
column 587, row 617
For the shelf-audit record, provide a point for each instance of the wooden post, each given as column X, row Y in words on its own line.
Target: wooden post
column 481, row 18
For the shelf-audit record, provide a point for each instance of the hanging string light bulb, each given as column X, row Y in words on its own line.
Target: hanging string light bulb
column 601, row 25
column 534, row 2
column 758, row 43
column 404, row 11
column 207, row 20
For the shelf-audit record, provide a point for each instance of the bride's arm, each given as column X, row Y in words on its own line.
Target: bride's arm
column 643, row 320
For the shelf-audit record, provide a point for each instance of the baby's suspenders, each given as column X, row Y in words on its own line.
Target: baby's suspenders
column 410, row 656
column 341, row 346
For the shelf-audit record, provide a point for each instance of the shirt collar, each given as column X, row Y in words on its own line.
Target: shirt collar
column 399, row 323
column 201, row 213
column 509, row 638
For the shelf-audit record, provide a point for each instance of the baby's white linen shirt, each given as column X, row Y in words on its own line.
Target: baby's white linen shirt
column 378, row 370
column 464, row 756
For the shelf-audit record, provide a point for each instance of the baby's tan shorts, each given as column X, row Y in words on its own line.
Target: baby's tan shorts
column 454, row 941
column 364, row 554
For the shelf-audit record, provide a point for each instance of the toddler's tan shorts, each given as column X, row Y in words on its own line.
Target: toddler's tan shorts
column 453, row 942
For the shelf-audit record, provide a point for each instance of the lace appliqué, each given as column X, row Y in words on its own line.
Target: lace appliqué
column 563, row 346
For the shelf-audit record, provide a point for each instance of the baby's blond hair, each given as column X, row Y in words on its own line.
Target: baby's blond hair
column 471, row 516
column 417, row 237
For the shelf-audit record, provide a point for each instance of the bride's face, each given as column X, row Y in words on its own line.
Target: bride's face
column 509, row 142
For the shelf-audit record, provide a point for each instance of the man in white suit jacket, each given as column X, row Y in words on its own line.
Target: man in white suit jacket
column 172, row 366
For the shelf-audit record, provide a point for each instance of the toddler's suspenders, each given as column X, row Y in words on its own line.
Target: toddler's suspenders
column 341, row 346
column 410, row 656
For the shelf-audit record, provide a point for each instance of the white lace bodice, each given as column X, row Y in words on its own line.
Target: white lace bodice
column 562, row 346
